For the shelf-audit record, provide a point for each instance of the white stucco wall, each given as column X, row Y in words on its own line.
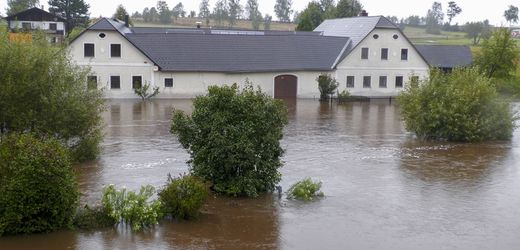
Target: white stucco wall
column 14, row 24
column 190, row 84
column 185, row 84
column 131, row 63
column 375, row 67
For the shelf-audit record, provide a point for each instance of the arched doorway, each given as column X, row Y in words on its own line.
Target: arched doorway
column 285, row 86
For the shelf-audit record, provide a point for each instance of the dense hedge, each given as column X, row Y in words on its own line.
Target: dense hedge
column 38, row 191
column 234, row 138
column 461, row 106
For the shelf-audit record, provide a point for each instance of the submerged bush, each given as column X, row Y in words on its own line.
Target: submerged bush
column 93, row 218
column 183, row 197
column 233, row 138
column 38, row 190
column 134, row 209
column 327, row 85
column 43, row 92
column 461, row 106
column 305, row 190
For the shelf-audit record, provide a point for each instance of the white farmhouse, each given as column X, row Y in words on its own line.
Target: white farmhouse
column 38, row 19
column 369, row 56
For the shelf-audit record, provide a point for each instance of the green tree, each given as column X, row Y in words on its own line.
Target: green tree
column 348, row 8
column 434, row 19
column 283, row 10
column 165, row 15
column 221, row 12
column 267, row 21
column 478, row 30
column 310, row 18
column 74, row 11
column 154, row 15
column 233, row 138
column 43, row 92
column 146, row 15
column 499, row 55
column 235, row 11
column 254, row 14
column 329, row 9
column 414, row 21
column 461, row 106
column 178, row 11
column 16, row 6
column 121, row 14
column 327, row 86
column 511, row 14
column 453, row 11
column 204, row 11
column 136, row 15
column 37, row 183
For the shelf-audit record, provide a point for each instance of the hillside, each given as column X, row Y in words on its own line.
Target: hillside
column 187, row 22
column 418, row 35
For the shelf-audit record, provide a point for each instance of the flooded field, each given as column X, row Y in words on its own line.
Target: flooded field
column 384, row 189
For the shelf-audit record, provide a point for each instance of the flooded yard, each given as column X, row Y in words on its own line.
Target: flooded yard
column 383, row 188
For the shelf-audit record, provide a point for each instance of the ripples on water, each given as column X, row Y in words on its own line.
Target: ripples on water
column 384, row 189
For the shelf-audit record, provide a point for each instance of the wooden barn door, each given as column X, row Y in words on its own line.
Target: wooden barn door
column 285, row 86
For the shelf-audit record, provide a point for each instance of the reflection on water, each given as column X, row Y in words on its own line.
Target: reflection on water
column 384, row 189
column 451, row 162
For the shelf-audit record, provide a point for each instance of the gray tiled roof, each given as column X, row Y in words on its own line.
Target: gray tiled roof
column 356, row 28
column 239, row 53
column 35, row 14
column 110, row 24
column 446, row 56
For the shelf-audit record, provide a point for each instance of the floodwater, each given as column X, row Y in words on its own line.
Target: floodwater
column 384, row 189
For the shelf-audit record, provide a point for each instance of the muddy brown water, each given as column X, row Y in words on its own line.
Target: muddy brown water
column 384, row 189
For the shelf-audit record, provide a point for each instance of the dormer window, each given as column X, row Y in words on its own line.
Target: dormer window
column 364, row 53
column 115, row 50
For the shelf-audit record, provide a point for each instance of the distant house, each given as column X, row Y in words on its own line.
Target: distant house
column 369, row 56
column 38, row 19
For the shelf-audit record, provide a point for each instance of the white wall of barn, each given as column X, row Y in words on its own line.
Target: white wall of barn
column 185, row 84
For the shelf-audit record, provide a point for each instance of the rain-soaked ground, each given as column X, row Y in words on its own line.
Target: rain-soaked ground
column 384, row 189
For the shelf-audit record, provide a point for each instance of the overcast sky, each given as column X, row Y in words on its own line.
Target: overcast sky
column 472, row 10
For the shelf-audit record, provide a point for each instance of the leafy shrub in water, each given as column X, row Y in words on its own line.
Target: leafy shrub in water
column 143, row 91
column 327, row 85
column 134, row 209
column 183, row 197
column 461, row 106
column 93, row 218
column 38, row 190
column 43, row 92
column 305, row 190
column 233, row 138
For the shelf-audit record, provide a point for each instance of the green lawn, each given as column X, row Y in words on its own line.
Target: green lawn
column 419, row 36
